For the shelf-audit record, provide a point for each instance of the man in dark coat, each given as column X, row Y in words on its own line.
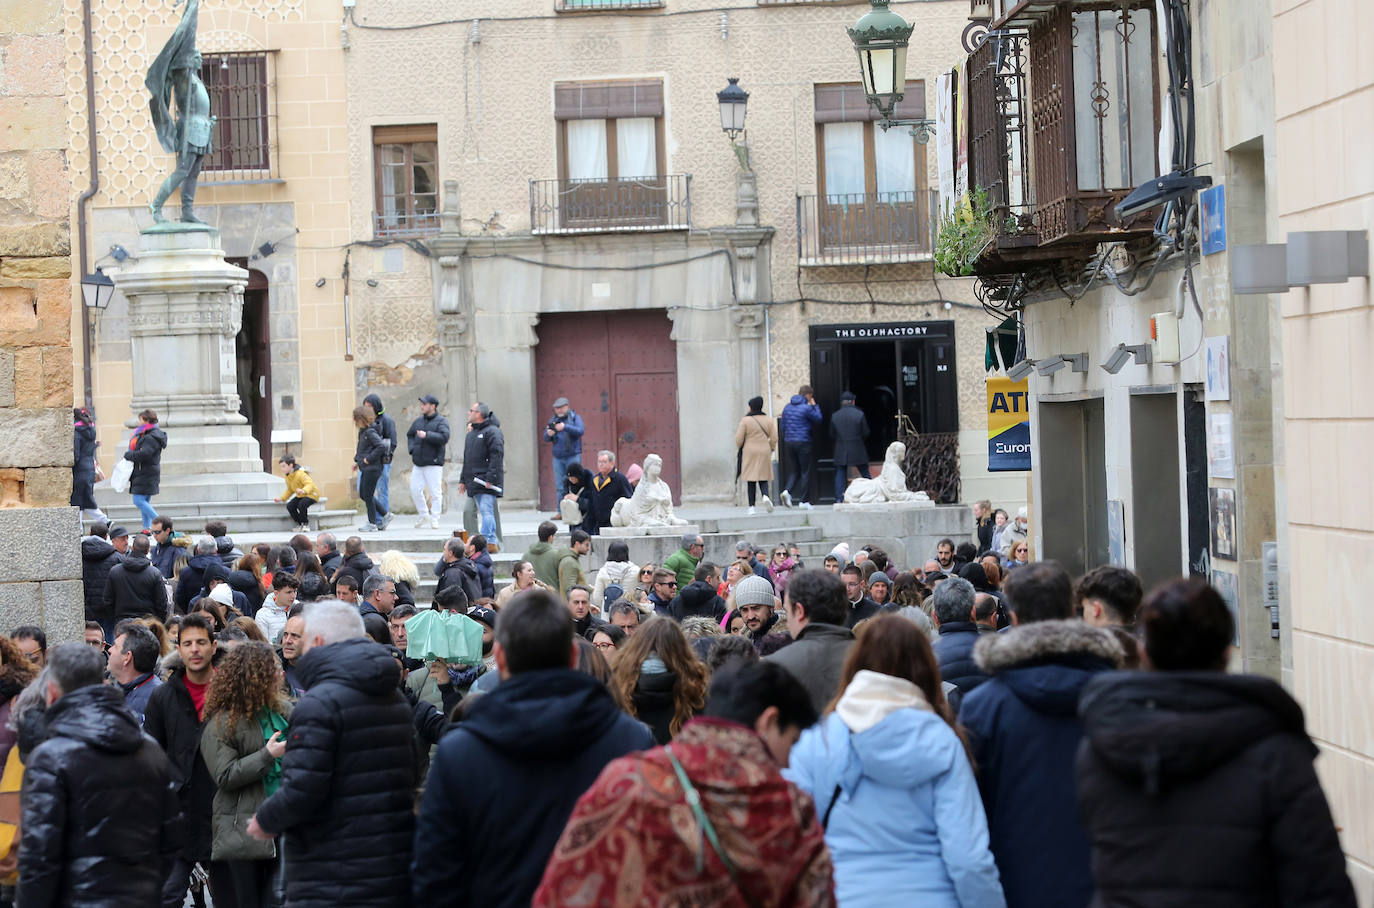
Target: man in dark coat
column 816, row 612
column 1197, row 786
column 848, row 432
column 609, row 485
column 536, row 743
column 327, row 548
column 481, row 559
column 856, row 593
column 99, row 807
column 167, row 546
column 356, row 563
column 175, row 718
column 1024, row 732
column 98, row 558
column 427, row 440
column 954, row 603
column 191, row 580
column 699, row 598
column 134, row 587
column 484, row 468
column 455, row 569
column 347, row 796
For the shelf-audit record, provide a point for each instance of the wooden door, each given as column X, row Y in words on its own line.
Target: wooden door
column 619, row 372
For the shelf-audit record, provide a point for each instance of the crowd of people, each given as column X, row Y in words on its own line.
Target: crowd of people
column 974, row 731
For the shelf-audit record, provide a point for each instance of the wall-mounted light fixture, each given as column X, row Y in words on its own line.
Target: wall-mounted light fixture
column 1079, row 362
column 1121, row 353
column 319, row 282
column 372, row 282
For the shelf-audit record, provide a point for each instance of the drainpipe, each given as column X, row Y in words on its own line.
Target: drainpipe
column 86, row 346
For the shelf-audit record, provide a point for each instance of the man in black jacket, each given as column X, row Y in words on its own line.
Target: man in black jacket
column 848, row 432
column 327, row 548
column 536, row 742
column 454, row 568
column 349, row 774
column 954, row 616
column 427, row 439
column 174, row 718
column 356, row 562
column 699, row 598
column 99, row 809
column 484, row 471
column 192, row 577
column 134, row 587
column 816, row 611
column 609, row 485
column 98, row 558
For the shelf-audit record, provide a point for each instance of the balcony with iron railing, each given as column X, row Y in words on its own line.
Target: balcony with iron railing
column 584, row 6
column 398, row 223
column 614, row 205
column 865, row 228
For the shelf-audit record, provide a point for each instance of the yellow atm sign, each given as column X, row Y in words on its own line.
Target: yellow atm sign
column 1008, row 425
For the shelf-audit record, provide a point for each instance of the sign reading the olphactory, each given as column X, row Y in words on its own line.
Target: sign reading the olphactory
column 1008, row 425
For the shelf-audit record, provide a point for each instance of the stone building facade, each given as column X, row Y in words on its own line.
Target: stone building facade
column 482, row 289
column 40, row 566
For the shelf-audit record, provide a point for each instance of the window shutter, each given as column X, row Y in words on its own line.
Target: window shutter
column 607, row 100
column 846, row 103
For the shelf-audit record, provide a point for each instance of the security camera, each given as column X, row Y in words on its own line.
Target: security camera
column 1021, row 370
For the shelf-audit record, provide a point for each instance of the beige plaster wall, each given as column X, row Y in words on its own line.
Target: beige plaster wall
column 312, row 164
column 1324, row 106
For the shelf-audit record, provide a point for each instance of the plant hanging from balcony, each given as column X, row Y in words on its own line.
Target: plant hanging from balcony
column 964, row 234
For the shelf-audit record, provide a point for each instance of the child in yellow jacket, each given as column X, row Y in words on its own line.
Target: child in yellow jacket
column 301, row 492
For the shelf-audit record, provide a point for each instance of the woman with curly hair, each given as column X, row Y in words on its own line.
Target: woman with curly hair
column 660, row 678
column 243, row 743
column 400, row 568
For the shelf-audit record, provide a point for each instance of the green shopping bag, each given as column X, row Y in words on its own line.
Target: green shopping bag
column 455, row 638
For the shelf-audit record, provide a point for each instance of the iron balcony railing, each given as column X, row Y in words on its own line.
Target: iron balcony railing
column 865, row 228
column 401, row 224
column 577, row 6
column 616, row 205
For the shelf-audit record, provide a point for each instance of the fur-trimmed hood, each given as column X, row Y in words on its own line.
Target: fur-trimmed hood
column 1045, row 641
column 1046, row 664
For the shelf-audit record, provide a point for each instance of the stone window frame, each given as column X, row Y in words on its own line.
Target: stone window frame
column 243, row 99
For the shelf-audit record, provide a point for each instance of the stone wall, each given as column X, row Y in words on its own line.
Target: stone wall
column 40, row 567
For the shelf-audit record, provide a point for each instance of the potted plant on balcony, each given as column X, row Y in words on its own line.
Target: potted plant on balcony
column 964, row 235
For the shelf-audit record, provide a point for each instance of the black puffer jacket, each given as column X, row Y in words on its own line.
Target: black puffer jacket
column 191, row 580
column 954, row 652
column 372, row 450
column 172, row 721
column 484, row 457
column 134, row 589
column 654, row 704
column 1197, row 788
column 346, row 802
column 98, row 557
column 356, row 566
column 461, row 573
column 697, row 598
column 385, row 426
column 428, row 451
column 147, row 458
column 99, row 810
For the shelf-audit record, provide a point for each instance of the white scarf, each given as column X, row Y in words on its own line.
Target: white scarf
column 870, row 698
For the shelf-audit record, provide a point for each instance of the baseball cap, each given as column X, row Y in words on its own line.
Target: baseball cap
column 847, row 395
column 753, row 590
column 483, row 614
column 116, row 532
column 561, row 402
column 430, row 399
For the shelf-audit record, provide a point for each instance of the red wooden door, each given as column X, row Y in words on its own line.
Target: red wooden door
column 619, row 372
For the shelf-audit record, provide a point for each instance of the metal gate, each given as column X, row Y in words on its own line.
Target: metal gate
column 619, row 372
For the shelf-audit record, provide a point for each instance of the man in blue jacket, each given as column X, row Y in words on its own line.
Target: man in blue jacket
column 799, row 419
column 1024, row 731
column 564, row 432
column 507, row 777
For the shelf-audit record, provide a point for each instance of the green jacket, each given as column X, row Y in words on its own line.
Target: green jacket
column 544, row 557
column 569, row 571
column 684, row 565
column 238, row 766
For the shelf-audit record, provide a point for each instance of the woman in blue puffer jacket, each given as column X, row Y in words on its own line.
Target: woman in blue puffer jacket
column 892, row 780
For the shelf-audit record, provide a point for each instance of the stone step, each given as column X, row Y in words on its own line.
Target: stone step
column 269, row 518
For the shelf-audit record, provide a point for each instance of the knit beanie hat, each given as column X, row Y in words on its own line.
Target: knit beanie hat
column 753, row 590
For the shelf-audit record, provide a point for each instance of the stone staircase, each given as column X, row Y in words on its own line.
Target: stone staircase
column 245, row 518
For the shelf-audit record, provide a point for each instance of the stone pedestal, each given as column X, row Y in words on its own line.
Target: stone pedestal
column 907, row 530
column 674, row 532
column 185, row 310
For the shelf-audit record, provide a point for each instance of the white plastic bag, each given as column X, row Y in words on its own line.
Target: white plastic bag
column 119, row 476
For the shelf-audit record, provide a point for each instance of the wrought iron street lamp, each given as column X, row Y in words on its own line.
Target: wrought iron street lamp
column 96, row 290
column 880, row 39
column 734, row 104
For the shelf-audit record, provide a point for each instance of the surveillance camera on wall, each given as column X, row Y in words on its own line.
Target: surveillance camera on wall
column 1021, row 370
column 1079, row 362
column 1122, row 353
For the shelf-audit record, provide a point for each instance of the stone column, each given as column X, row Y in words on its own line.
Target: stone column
column 185, row 310
column 453, row 315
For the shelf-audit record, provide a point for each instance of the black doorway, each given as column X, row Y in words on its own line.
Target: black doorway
column 898, row 372
column 253, row 362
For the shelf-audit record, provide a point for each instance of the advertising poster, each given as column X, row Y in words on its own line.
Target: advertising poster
column 1223, row 502
column 1008, row 425
column 1221, row 458
column 1218, row 385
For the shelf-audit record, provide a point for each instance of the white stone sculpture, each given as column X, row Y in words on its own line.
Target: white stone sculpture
column 652, row 503
column 890, row 484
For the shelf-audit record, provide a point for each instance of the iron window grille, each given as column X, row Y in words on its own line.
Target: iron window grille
column 242, row 89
